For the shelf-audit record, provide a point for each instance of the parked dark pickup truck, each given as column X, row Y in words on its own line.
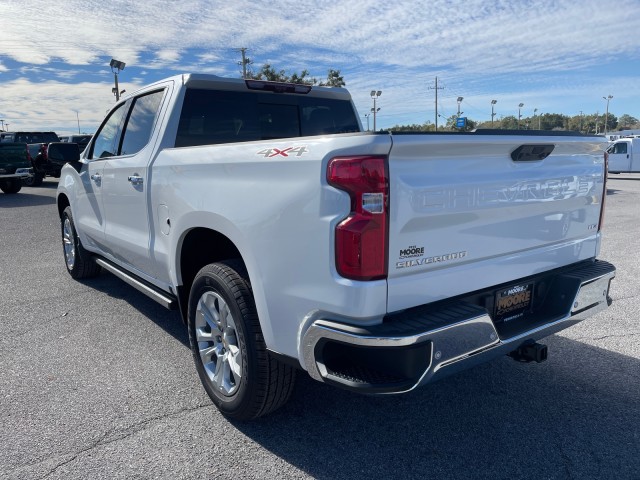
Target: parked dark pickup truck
column 14, row 166
column 81, row 140
column 37, row 144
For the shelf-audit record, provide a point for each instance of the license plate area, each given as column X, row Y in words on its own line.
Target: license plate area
column 513, row 302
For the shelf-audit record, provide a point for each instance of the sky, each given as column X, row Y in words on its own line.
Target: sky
column 554, row 56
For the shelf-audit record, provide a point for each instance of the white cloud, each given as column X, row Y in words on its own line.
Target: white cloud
column 470, row 35
column 520, row 50
column 52, row 105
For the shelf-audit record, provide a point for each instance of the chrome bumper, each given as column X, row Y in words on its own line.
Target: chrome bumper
column 426, row 344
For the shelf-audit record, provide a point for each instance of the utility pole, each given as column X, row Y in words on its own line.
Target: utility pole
column 436, row 88
column 245, row 61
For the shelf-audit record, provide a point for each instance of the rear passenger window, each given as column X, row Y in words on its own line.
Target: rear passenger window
column 141, row 121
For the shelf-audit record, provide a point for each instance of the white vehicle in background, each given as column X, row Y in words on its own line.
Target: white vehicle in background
column 624, row 155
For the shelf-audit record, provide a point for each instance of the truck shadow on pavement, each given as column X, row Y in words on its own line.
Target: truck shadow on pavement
column 168, row 320
column 575, row 416
column 23, row 199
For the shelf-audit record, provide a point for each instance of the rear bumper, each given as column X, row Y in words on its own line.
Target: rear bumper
column 425, row 344
column 19, row 173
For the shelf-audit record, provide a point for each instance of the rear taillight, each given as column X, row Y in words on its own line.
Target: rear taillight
column 362, row 237
column 604, row 190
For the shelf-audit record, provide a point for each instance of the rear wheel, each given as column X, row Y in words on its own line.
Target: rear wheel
column 77, row 260
column 34, row 181
column 11, row 185
column 228, row 348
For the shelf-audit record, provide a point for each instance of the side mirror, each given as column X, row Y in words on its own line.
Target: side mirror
column 62, row 152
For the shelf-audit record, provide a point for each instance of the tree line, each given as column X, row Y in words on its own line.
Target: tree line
column 269, row 73
column 591, row 123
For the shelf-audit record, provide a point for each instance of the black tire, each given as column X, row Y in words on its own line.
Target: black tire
column 34, row 181
column 11, row 185
column 249, row 382
column 78, row 261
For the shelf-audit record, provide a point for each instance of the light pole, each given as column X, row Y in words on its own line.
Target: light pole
column 459, row 100
column 116, row 67
column 2, row 124
column 493, row 114
column 606, row 118
column 375, row 94
column 519, row 114
column 367, row 115
column 535, row 110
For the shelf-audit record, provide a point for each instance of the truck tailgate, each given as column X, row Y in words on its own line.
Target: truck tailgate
column 464, row 215
column 12, row 156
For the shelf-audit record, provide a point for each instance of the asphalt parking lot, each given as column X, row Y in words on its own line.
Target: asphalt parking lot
column 97, row 381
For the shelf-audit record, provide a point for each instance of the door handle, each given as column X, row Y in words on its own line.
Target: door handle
column 96, row 177
column 135, row 179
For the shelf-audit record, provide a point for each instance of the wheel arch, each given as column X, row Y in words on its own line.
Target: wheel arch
column 201, row 246
column 62, row 202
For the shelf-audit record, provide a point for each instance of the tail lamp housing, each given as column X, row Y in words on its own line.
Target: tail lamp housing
column 361, row 238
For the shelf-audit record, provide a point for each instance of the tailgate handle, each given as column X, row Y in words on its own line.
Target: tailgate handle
column 531, row 153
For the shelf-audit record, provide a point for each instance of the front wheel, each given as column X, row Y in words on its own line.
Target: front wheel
column 228, row 348
column 77, row 260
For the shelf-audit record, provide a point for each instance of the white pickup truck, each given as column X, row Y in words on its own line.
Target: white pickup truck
column 290, row 239
column 624, row 155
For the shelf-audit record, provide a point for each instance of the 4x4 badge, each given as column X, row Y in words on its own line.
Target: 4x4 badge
column 285, row 152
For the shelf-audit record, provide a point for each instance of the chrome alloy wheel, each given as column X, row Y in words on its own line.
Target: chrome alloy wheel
column 218, row 343
column 68, row 242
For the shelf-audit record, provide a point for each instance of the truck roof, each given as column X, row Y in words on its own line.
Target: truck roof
column 29, row 137
column 209, row 81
